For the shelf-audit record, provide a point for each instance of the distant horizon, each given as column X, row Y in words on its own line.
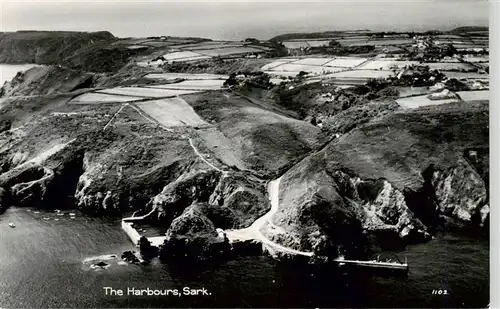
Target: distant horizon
column 237, row 20
column 197, row 36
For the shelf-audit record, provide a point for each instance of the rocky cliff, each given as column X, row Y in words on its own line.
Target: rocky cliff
column 400, row 178
column 46, row 47
column 394, row 177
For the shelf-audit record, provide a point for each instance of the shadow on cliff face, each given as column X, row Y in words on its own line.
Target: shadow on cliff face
column 423, row 201
column 60, row 192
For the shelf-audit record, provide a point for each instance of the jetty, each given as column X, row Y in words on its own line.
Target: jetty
column 377, row 265
column 128, row 228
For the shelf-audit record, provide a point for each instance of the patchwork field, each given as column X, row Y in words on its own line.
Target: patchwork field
column 313, row 61
column 202, row 45
column 144, row 92
column 275, row 64
column 92, row 97
column 464, row 75
column 173, row 76
column 180, row 55
column 386, row 64
column 318, row 43
column 295, row 44
column 361, row 74
column 315, row 65
column 172, row 112
column 281, row 74
column 419, row 101
column 228, row 51
column 292, row 67
column 470, row 58
column 158, row 44
column 450, row 66
column 346, row 62
column 480, row 95
column 193, row 85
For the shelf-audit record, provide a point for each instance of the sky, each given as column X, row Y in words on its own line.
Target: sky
column 238, row 19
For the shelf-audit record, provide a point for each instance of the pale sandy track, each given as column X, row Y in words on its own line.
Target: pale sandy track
column 254, row 231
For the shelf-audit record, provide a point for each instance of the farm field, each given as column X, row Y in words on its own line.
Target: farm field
column 450, row 66
column 391, row 42
column 220, row 145
column 483, row 65
column 292, row 67
column 137, row 47
column 193, row 84
column 93, row 97
column 313, row 61
column 202, row 45
column 412, row 91
column 188, row 76
column 360, row 74
column 281, row 74
column 386, row 64
column 346, row 62
column 470, row 75
column 130, row 41
column 228, row 51
column 172, row 112
column 210, row 45
column 274, row 64
column 317, row 43
column 157, row 43
column 180, row 55
column 295, row 44
column 419, row 101
column 475, row 59
column 479, row 95
column 144, row 92
column 468, row 46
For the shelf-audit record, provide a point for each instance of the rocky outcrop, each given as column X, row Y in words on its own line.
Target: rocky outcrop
column 381, row 207
column 190, row 223
column 193, row 186
column 43, row 179
column 240, row 198
column 46, row 81
column 391, row 179
column 461, row 195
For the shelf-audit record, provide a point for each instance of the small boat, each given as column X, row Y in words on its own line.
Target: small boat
column 12, row 224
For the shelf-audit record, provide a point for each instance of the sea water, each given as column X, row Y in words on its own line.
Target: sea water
column 9, row 71
column 46, row 262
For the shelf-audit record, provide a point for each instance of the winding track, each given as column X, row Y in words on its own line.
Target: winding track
column 254, row 231
column 251, row 232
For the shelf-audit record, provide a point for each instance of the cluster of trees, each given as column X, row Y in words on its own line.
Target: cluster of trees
column 252, row 79
column 336, row 48
column 276, row 46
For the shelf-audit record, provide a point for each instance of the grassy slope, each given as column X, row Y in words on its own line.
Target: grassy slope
column 264, row 140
